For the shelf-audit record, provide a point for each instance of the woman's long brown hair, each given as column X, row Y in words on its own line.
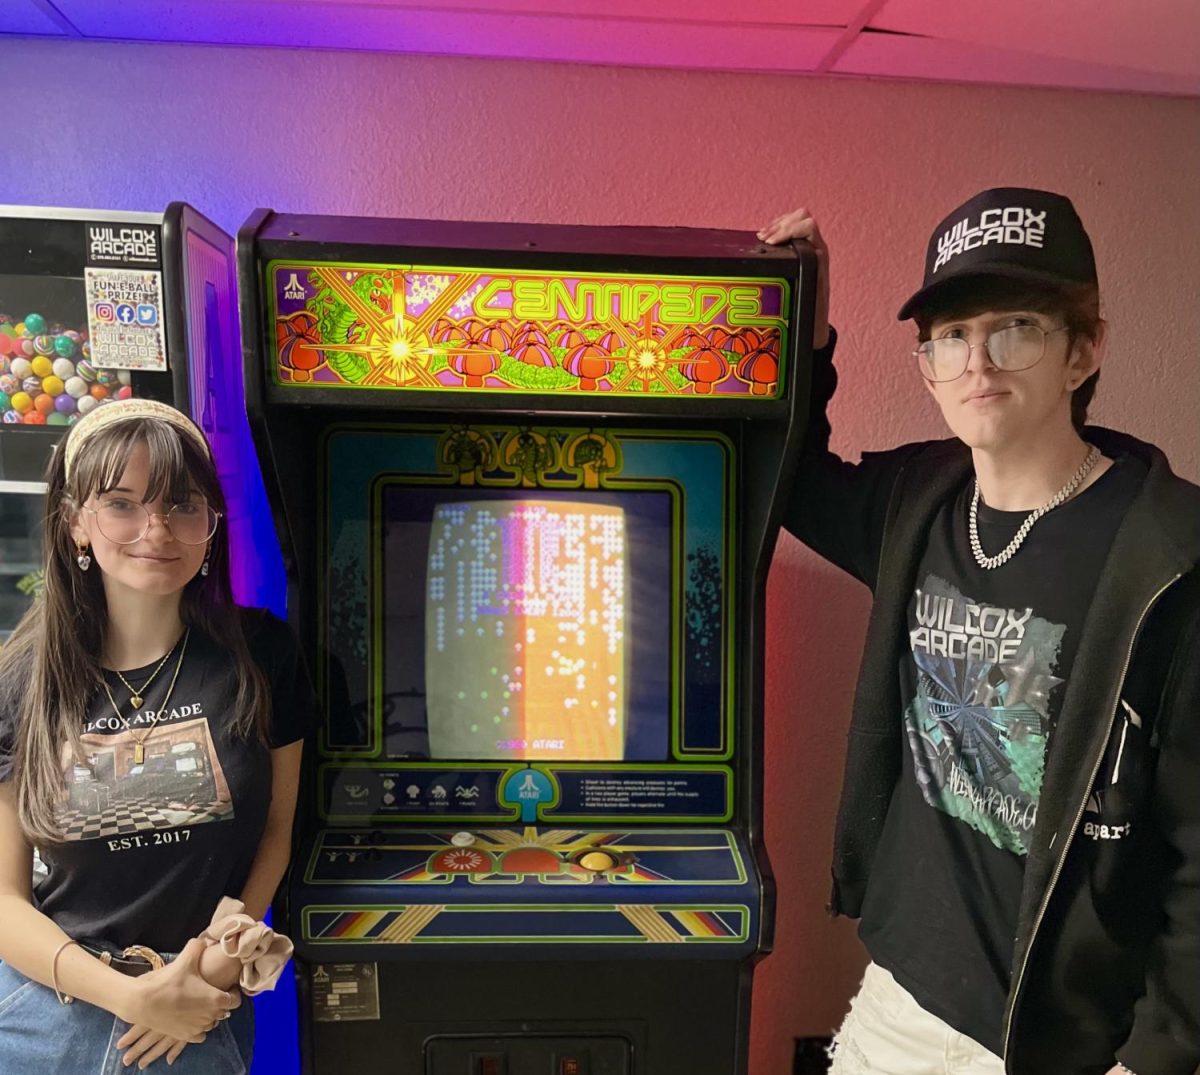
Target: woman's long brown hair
column 50, row 669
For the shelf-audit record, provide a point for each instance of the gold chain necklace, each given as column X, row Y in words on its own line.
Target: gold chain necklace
column 139, row 745
column 138, row 694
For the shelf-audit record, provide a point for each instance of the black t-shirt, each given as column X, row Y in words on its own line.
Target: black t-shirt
column 151, row 847
column 989, row 655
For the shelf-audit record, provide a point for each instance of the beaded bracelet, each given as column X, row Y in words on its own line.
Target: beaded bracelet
column 63, row 998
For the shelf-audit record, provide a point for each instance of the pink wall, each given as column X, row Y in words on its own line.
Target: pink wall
column 135, row 126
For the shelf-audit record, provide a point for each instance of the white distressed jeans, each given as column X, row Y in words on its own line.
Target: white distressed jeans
column 888, row 1033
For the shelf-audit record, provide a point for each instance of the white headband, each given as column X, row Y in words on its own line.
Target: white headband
column 126, row 410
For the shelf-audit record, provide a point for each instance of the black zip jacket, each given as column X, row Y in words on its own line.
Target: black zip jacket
column 1107, row 957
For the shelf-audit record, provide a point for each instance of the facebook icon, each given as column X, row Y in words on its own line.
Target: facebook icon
column 125, row 314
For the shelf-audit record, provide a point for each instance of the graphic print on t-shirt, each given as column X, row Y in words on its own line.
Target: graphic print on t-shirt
column 979, row 723
column 180, row 782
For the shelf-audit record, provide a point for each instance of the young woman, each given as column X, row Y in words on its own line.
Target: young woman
column 150, row 742
column 1019, row 830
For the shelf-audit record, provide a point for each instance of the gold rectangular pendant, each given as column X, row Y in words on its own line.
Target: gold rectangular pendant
column 139, row 753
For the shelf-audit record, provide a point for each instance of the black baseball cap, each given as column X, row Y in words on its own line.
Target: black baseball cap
column 1026, row 235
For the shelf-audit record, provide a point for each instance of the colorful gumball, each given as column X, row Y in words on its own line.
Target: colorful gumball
column 42, row 366
column 35, row 324
column 32, row 384
column 33, row 418
column 5, row 401
column 22, row 402
column 43, row 404
column 53, row 385
column 12, row 417
column 74, row 418
column 106, row 377
column 64, row 346
column 57, row 419
column 87, row 404
column 124, row 376
column 76, row 387
column 43, row 345
column 9, row 384
column 64, row 368
column 85, row 348
column 19, row 329
column 20, row 368
column 85, row 369
column 125, row 392
column 65, row 404
column 98, row 392
column 7, row 343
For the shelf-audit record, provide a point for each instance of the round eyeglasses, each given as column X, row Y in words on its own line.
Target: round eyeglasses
column 1011, row 349
column 125, row 522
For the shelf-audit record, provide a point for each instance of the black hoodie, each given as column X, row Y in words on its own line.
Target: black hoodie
column 1107, row 956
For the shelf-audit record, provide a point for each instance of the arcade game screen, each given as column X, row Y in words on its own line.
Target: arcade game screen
column 525, row 624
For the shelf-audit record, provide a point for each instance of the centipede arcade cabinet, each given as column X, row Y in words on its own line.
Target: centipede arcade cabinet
column 528, row 483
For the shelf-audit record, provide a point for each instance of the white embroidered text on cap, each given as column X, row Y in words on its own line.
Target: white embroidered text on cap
column 1015, row 226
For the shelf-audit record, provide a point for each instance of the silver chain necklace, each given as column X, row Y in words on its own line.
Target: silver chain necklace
column 990, row 563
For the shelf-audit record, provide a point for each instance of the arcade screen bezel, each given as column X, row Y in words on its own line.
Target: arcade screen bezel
column 699, row 466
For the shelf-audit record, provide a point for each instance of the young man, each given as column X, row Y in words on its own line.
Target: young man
column 1019, row 830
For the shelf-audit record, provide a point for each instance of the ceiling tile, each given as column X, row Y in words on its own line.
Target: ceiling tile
column 1153, row 46
column 889, row 55
column 595, row 39
column 781, row 12
column 27, row 17
column 1151, row 35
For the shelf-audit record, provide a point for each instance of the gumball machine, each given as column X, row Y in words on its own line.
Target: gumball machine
column 99, row 306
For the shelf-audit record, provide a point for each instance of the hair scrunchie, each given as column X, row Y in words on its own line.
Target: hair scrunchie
column 262, row 952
